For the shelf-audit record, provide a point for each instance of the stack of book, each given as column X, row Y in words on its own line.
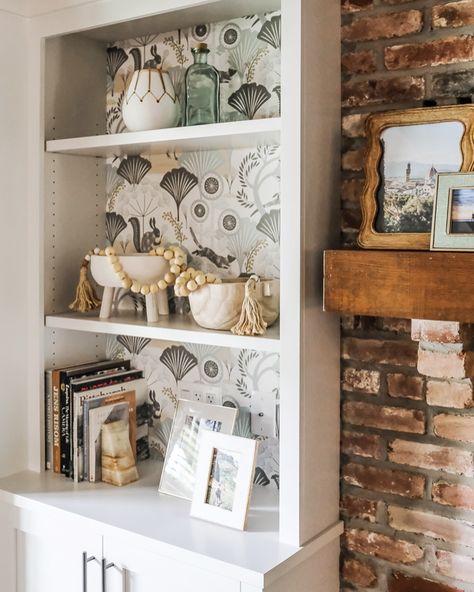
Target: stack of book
column 78, row 401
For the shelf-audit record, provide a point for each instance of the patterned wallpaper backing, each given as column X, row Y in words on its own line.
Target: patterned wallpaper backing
column 246, row 51
column 222, row 207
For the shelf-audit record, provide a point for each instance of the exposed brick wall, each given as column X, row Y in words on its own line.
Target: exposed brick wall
column 398, row 54
column 407, row 474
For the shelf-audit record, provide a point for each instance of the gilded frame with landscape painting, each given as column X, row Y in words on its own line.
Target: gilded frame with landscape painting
column 406, row 151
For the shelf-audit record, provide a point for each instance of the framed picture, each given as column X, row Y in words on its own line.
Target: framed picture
column 191, row 420
column 453, row 216
column 224, row 479
column 407, row 150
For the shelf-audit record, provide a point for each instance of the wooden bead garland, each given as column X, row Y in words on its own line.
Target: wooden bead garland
column 191, row 280
column 175, row 256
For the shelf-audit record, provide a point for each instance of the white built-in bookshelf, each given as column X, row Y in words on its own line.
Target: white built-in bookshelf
column 291, row 532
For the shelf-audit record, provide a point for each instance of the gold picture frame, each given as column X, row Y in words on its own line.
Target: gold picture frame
column 397, row 122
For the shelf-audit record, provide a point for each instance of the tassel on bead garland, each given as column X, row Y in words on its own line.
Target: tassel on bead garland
column 251, row 318
column 86, row 298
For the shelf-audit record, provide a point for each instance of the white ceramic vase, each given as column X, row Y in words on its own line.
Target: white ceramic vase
column 218, row 306
column 140, row 267
column 150, row 101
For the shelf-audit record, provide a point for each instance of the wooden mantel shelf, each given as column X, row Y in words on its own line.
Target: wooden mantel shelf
column 408, row 284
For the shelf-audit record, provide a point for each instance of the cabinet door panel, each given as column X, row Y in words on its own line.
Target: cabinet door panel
column 138, row 570
column 7, row 548
column 50, row 556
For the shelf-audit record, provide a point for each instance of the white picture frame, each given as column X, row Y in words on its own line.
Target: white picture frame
column 191, row 420
column 453, row 214
column 224, row 479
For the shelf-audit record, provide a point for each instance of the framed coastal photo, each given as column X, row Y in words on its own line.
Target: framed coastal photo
column 224, row 479
column 453, row 216
column 407, row 150
column 191, row 421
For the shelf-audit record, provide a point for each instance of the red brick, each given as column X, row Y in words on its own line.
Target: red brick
column 403, row 583
column 353, row 126
column 445, row 362
column 384, row 480
column 432, row 525
column 429, row 456
column 453, row 14
column 355, row 5
column 351, row 219
column 353, row 160
column 382, row 546
column 454, row 427
column 384, row 418
column 358, row 507
column 358, row 573
column 455, row 495
column 367, row 381
column 441, row 331
column 359, row 62
column 383, row 26
column 366, row 445
column 458, row 567
column 451, row 50
column 397, row 353
column 458, row 395
column 386, row 90
column 402, row 386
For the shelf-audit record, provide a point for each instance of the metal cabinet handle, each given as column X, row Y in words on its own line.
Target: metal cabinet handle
column 85, row 562
column 105, row 567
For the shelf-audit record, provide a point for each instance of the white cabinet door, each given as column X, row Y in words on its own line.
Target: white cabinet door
column 50, row 549
column 138, row 570
column 7, row 548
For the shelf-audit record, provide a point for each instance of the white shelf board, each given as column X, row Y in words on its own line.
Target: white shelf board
column 162, row 524
column 218, row 136
column 178, row 328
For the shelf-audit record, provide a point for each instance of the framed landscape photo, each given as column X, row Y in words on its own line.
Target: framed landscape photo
column 407, row 150
column 453, row 216
column 191, row 421
column 224, row 479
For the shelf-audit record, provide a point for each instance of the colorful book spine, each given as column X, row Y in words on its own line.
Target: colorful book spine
column 64, row 418
column 56, row 422
column 48, row 419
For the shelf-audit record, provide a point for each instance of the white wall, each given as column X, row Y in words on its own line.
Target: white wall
column 13, row 242
column 36, row 7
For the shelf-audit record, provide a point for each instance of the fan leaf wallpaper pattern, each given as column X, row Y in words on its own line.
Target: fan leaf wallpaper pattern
column 222, row 207
column 246, row 52
column 237, row 372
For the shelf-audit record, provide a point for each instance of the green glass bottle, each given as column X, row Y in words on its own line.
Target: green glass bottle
column 202, row 89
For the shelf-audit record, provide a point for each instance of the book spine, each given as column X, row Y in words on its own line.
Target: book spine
column 56, row 422
column 70, row 398
column 48, row 418
column 64, row 410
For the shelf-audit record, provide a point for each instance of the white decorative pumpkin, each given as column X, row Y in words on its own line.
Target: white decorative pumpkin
column 218, row 306
column 150, row 101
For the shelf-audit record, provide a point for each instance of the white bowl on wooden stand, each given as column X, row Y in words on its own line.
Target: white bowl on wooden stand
column 218, row 306
column 141, row 267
